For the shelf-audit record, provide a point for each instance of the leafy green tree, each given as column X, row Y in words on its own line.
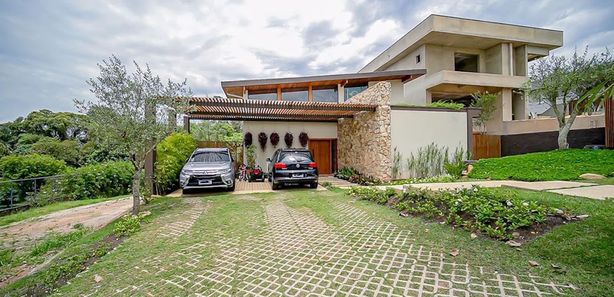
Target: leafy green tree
column 563, row 83
column 25, row 142
column 132, row 112
column 60, row 125
column 217, row 131
column 66, row 150
column 486, row 103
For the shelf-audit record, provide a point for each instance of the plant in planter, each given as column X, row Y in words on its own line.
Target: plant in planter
column 303, row 138
column 288, row 138
column 274, row 139
column 247, row 139
column 262, row 138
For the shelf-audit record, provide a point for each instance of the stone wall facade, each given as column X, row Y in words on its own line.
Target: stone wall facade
column 364, row 142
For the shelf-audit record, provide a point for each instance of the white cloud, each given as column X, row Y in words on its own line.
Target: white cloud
column 48, row 49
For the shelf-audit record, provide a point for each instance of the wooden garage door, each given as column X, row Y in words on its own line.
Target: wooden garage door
column 322, row 149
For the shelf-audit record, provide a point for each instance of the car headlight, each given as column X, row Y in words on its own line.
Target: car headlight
column 186, row 172
column 226, row 171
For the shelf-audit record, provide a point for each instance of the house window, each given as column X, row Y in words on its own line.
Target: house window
column 294, row 94
column 466, row 62
column 418, row 59
column 325, row 95
column 351, row 91
column 262, row 96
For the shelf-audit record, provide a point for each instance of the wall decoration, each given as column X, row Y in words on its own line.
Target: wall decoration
column 289, row 138
column 247, row 139
column 303, row 138
column 262, row 138
column 274, row 139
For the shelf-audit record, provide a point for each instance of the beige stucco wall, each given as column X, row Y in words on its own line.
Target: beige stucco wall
column 549, row 124
column 413, row 129
column 313, row 129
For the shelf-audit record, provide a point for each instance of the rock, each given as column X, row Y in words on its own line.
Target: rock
column 559, row 211
column 582, row 217
column 469, row 169
column 97, row 278
column 533, row 263
column 513, row 243
column 404, row 214
column 591, row 176
column 555, row 266
column 516, row 235
column 474, row 236
column 454, row 252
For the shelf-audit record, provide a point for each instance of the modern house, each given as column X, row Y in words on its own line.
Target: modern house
column 369, row 119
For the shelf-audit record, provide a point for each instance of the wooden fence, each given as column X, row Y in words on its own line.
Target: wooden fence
column 485, row 146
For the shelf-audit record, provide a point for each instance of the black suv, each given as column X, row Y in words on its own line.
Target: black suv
column 292, row 166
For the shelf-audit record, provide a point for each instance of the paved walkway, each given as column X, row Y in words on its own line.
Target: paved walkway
column 579, row 189
column 293, row 252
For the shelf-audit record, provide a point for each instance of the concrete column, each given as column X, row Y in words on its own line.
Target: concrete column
column 341, row 93
column 519, row 107
column 245, row 94
column 506, row 104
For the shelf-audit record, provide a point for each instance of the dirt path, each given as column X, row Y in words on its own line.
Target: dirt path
column 95, row 216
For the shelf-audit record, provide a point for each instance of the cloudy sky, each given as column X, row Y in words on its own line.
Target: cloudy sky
column 49, row 48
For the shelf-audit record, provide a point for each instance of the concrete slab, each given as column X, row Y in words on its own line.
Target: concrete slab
column 547, row 185
column 595, row 192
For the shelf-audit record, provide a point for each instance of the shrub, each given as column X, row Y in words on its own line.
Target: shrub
column 346, row 172
column 456, row 166
column 27, row 166
column 478, row 209
column 447, row 104
column 428, row 161
column 171, row 155
column 566, row 164
column 92, row 181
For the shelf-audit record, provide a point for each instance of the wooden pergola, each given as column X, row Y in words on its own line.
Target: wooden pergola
column 218, row 108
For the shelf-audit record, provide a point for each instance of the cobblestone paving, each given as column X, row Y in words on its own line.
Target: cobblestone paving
column 298, row 254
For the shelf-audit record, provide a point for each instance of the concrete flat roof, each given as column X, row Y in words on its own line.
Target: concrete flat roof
column 464, row 33
column 235, row 87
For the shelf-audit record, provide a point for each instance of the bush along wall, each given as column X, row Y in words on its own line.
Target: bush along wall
column 171, row 155
column 15, row 167
column 477, row 209
column 106, row 179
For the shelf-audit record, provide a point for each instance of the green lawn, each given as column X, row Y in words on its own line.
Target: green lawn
column 554, row 165
column 47, row 209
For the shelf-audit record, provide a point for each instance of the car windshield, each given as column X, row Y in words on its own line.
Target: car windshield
column 210, row 157
column 295, row 157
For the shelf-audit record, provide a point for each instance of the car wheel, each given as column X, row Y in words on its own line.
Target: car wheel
column 232, row 189
column 274, row 185
column 186, row 191
column 313, row 185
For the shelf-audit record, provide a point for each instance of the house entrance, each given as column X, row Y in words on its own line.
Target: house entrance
column 324, row 153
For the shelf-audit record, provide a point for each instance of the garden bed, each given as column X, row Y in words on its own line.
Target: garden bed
column 479, row 210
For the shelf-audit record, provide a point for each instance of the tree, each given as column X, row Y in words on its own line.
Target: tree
column 563, row 83
column 217, row 131
column 132, row 112
column 486, row 103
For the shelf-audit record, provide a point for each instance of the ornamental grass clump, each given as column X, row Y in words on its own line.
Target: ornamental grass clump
column 475, row 209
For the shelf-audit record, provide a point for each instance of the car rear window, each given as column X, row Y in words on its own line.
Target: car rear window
column 210, row 157
column 295, row 157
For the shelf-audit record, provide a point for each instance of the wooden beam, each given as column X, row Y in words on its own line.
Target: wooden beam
column 278, row 93
column 223, row 102
column 310, row 93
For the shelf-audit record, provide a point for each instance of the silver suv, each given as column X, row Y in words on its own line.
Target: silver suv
column 208, row 168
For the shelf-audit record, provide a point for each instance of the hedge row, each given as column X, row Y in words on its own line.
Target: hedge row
column 171, row 155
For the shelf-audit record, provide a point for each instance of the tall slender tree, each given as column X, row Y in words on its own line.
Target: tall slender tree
column 132, row 112
column 563, row 83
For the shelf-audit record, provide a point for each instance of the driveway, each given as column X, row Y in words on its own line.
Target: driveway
column 284, row 244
